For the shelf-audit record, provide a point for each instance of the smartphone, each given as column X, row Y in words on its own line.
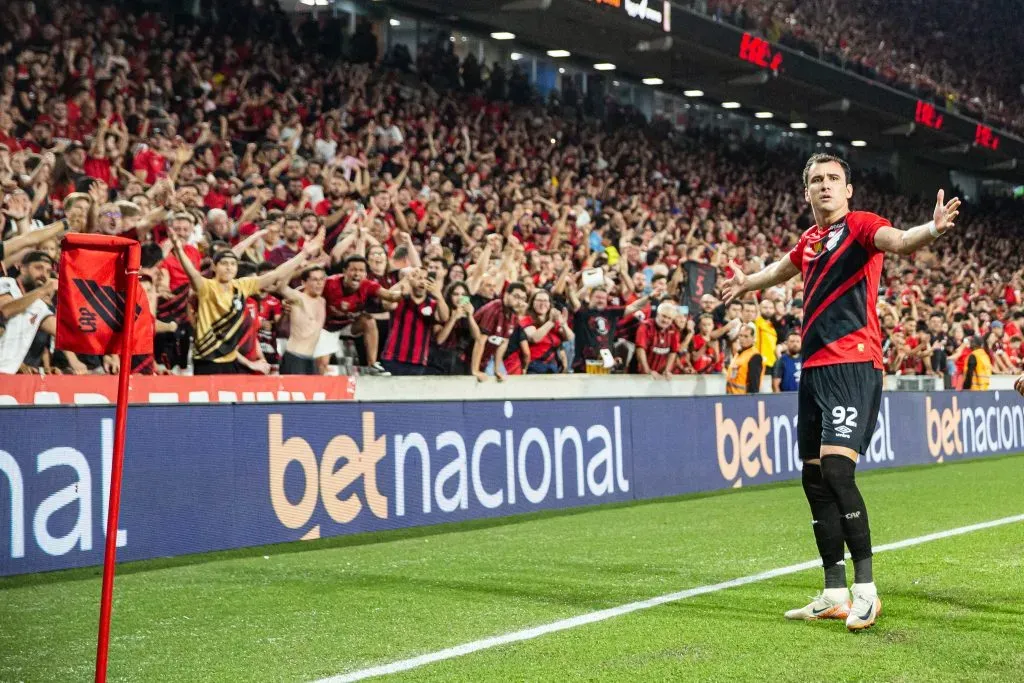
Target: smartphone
column 431, row 276
column 685, row 310
column 463, row 300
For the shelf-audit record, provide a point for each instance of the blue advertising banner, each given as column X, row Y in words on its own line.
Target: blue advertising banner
column 203, row 478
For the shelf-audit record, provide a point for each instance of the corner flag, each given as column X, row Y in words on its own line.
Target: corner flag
column 92, row 295
column 98, row 291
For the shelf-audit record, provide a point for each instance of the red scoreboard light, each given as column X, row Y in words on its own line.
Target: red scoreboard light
column 758, row 52
column 984, row 136
column 927, row 115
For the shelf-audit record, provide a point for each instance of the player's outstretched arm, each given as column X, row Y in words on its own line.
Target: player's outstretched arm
column 897, row 241
column 775, row 274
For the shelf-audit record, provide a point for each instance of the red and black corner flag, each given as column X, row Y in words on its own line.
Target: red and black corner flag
column 92, row 295
column 99, row 282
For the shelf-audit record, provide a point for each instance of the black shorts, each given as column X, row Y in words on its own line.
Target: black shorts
column 294, row 364
column 838, row 406
column 207, row 367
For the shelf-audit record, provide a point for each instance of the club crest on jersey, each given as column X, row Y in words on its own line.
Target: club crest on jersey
column 833, row 237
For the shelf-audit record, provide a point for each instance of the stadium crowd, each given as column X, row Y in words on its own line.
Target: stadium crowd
column 960, row 55
column 427, row 216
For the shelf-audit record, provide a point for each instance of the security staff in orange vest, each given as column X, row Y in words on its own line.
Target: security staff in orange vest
column 979, row 366
column 745, row 369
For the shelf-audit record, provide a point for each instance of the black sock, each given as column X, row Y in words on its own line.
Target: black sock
column 838, row 472
column 862, row 571
column 828, row 530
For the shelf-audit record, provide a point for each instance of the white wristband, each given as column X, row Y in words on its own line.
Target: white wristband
column 933, row 230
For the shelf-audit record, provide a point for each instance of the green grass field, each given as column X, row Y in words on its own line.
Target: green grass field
column 953, row 608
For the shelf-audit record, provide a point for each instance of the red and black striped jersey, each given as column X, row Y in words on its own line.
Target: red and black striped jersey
column 841, row 267
column 411, row 331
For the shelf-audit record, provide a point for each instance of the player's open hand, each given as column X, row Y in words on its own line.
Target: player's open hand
column 736, row 286
column 945, row 214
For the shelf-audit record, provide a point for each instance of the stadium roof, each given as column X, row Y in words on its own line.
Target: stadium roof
column 649, row 38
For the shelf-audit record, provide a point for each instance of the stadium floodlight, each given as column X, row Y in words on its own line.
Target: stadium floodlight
column 503, row 35
column 693, row 93
column 731, row 105
column 858, row 143
column 763, row 115
column 824, row 133
column 393, row 22
column 516, row 56
column 604, row 66
column 558, row 54
column 653, row 80
column 798, row 125
column 561, row 69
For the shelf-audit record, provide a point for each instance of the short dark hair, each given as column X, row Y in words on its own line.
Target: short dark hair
column 152, row 254
column 821, row 158
column 36, row 257
column 794, row 332
column 354, row 258
column 515, row 287
column 312, row 269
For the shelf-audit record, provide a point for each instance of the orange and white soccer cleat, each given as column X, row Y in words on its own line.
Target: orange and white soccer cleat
column 832, row 603
column 866, row 607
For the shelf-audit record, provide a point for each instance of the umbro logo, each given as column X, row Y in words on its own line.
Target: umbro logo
column 844, row 430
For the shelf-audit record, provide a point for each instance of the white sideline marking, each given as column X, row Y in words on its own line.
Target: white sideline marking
column 601, row 615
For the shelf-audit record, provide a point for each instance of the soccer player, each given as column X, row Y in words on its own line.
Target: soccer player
column 840, row 258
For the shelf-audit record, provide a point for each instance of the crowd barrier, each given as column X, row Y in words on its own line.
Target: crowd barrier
column 102, row 389
column 207, row 477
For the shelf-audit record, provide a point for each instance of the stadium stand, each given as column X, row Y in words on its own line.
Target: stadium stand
column 963, row 65
column 241, row 133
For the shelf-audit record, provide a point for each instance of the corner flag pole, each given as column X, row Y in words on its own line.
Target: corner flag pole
column 120, row 422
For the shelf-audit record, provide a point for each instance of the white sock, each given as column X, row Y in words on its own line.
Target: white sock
column 865, row 589
column 836, row 594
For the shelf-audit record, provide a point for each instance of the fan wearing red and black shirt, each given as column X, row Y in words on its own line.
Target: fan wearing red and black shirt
column 840, row 259
column 657, row 343
column 412, row 324
column 497, row 320
column 347, row 296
